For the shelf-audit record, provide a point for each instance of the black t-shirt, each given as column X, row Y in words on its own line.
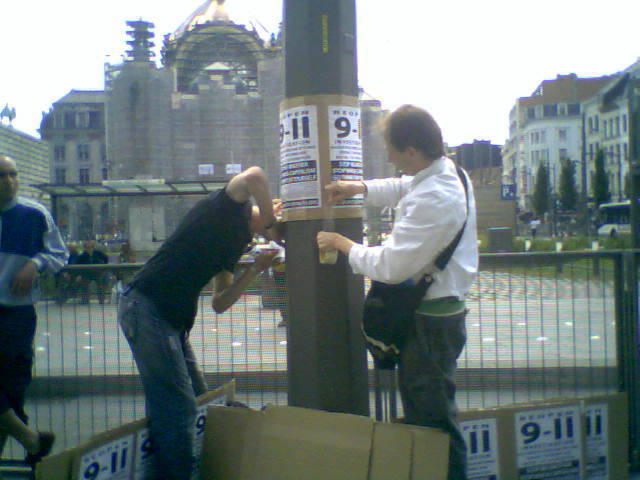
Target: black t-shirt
column 212, row 237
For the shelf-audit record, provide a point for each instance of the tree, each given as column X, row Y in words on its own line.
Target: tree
column 627, row 185
column 601, row 193
column 568, row 190
column 542, row 191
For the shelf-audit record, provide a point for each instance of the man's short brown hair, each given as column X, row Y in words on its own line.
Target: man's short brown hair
column 411, row 126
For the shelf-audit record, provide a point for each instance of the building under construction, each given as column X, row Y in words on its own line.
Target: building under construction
column 209, row 111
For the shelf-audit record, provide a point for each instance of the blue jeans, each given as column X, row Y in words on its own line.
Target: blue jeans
column 171, row 381
column 427, row 385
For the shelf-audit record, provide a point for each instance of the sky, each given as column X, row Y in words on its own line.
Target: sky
column 465, row 61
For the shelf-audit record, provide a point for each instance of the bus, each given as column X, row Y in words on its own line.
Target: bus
column 615, row 218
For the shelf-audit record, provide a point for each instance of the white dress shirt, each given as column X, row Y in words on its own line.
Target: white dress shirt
column 430, row 210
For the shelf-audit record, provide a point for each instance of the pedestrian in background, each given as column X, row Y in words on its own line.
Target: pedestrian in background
column 431, row 209
column 93, row 256
column 29, row 245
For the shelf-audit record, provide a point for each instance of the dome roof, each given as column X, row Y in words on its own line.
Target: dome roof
column 209, row 11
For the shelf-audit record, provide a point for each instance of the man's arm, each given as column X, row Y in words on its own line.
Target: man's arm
column 228, row 290
column 253, row 182
column 52, row 258
column 54, row 254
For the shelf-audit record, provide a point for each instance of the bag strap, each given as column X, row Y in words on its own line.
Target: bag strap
column 447, row 253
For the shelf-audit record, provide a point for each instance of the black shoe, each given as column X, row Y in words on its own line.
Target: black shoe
column 45, row 442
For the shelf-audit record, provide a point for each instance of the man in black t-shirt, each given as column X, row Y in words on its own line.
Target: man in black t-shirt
column 159, row 306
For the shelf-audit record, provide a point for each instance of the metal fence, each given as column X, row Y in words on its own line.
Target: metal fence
column 539, row 326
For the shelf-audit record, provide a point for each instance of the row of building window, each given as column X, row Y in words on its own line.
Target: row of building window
column 540, row 136
column 613, row 153
column 553, row 110
column 613, row 127
column 85, row 119
column 84, row 175
column 83, row 152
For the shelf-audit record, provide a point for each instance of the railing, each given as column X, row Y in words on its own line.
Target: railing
column 539, row 326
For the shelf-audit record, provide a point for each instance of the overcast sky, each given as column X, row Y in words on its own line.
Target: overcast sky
column 463, row 60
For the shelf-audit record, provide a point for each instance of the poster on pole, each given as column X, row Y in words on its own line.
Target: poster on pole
column 299, row 158
column 345, row 147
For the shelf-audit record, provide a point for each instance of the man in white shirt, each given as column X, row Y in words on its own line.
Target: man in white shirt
column 431, row 208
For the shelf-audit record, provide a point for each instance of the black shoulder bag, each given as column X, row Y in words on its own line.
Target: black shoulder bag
column 389, row 309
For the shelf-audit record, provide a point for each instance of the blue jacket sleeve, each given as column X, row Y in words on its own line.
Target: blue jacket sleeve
column 54, row 256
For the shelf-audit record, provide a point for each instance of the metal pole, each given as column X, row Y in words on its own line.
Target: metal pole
column 327, row 366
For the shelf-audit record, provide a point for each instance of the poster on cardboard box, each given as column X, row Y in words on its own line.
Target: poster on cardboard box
column 596, row 418
column 299, row 158
column 111, row 461
column 130, row 455
column 481, row 437
column 548, row 443
column 143, row 456
column 345, row 147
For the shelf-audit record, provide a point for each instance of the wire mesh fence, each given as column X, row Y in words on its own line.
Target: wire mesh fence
column 539, row 326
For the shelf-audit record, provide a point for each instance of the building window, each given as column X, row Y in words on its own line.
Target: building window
column 624, row 123
column 105, row 174
column 605, row 129
column 596, row 127
column 562, row 154
column 103, row 153
column 625, row 148
column 531, row 113
column 573, row 109
column 562, row 109
column 590, row 124
column 59, row 153
column 543, row 136
column 69, row 120
column 83, row 119
column 562, row 134
column 617, row 125
column 83, row 175
column 61, row 175
column 94, row 119
column 550, row 110
column 83, row 151
column 58, row 120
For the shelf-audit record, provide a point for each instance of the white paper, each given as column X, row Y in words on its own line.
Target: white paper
column 549, row 443
column 299, row 158
column 111, row 461
column 345, row 147
column 481, row 437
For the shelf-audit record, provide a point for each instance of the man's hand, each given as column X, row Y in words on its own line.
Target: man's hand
column 338, row 191
column 265, row 259
column 328, row 241
column 23, row 281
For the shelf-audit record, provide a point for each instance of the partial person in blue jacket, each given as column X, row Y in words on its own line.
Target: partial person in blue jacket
column 30, row 244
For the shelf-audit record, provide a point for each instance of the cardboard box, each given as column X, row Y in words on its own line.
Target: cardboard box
column 123, row 453
column 557, row 439
column 525, row 441
column 289, row 443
